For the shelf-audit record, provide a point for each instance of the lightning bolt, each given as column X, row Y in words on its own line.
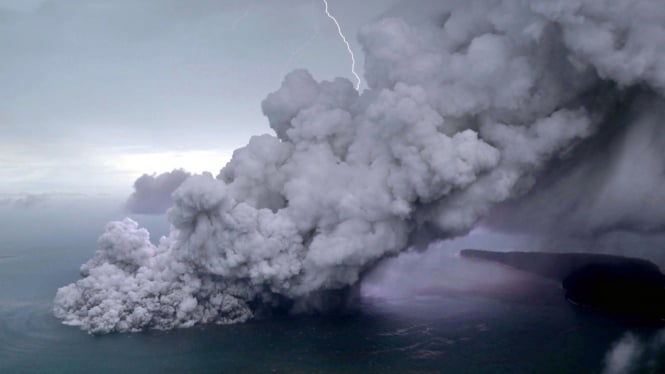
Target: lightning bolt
column 348, row 46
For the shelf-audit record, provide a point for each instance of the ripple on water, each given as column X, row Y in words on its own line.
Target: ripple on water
column 26, row 329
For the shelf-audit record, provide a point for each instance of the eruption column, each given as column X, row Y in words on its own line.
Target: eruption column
column 458, row 116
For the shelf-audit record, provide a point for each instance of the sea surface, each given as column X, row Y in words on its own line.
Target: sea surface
column 511, row 324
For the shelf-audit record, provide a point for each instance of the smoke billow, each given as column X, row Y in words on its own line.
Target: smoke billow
column 152, row 193
column 614, row 182
column 470, row 104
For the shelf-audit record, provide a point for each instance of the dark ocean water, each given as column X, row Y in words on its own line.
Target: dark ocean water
column 434, row 329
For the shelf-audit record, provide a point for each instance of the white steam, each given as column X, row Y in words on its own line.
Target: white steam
column 630, row 354
column 621, row 359
column 467, row 104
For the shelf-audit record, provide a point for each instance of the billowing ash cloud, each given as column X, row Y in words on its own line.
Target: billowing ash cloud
column 615, row 182
column 152, row 193
column 469, row 102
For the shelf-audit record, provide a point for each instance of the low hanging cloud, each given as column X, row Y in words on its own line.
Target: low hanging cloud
column 32, row 200
column 152, row 193
column 469, row 105
column 23, row 201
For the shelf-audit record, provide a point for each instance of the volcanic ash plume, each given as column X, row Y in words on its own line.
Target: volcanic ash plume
column 468, row 103
column 152, row 193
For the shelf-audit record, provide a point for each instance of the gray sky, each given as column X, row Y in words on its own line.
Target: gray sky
column 96, row 92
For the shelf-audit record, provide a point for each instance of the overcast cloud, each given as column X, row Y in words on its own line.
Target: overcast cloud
column 85, row 81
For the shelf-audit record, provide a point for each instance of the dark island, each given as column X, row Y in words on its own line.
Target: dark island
column 622, row 286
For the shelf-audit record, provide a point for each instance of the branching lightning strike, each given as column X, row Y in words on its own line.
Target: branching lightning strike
column 348, row 46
